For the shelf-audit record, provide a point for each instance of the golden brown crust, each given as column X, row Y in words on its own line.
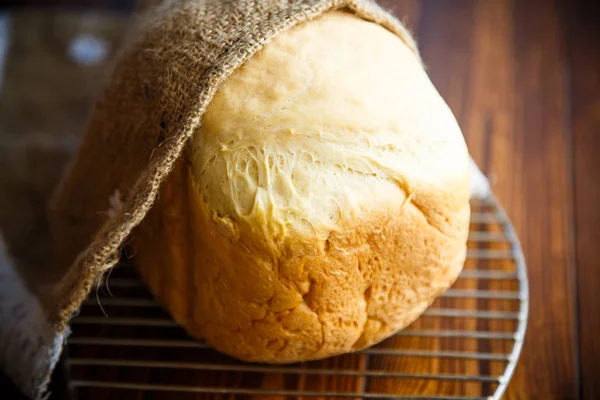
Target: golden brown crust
column 341, row 229
column 313, row 300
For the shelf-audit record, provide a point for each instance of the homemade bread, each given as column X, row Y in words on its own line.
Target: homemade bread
column 323, row 204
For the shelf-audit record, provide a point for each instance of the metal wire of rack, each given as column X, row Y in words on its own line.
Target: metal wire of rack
column 466, row 346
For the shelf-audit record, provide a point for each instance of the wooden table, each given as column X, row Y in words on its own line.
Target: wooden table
column 523, row 78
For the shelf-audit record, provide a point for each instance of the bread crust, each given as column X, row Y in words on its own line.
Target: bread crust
column 323, row 205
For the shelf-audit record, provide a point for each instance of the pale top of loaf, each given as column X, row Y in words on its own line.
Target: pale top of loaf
column 334, row 119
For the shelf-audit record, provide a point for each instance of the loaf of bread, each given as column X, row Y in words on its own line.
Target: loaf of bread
column 322, row 206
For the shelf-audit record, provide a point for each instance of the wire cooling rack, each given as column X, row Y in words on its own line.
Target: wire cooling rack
column 466, row 346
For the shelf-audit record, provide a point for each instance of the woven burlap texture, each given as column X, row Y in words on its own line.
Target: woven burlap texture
column 166, row 75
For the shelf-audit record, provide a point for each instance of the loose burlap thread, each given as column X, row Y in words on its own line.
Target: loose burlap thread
column 174, row 60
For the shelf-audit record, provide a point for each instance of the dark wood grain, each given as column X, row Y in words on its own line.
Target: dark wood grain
column 584, row 36
column 512, row 102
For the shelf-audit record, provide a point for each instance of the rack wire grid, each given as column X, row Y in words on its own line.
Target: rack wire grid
column 465, row 346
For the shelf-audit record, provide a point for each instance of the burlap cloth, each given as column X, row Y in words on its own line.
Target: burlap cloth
column 175, row 58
